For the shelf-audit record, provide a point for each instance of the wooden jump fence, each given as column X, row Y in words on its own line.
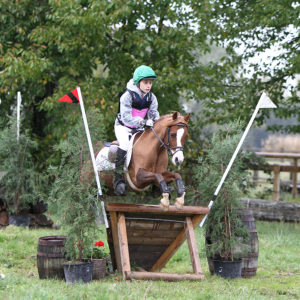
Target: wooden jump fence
column 146, row 237
column 277, row 168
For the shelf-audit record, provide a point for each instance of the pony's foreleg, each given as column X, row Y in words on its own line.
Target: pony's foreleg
column 146, row 177
column 170, row 176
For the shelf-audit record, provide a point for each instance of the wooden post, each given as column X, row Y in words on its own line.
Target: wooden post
column 190, row 236
column 276, row 183
column 294, row 179
column 123, row 243
column 115, row 236
column 255, row 177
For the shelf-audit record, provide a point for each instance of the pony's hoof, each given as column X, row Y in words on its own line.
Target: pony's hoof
column 164, row 202
column 180, row 201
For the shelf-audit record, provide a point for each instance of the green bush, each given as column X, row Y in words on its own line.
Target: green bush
column 225, row 231
column 73, row 201
column 21, row 181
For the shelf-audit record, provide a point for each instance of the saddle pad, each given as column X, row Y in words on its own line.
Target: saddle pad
column 102, row 161
column 104, row 164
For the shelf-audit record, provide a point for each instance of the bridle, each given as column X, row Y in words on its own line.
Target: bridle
column 168, row 146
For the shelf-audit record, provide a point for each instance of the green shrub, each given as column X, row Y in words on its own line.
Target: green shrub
column 73, row 201
column 225, row 231
column 20, row 182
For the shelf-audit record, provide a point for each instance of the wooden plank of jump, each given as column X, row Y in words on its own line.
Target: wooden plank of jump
column 170, row 251
column 115, row 236
column 123, row 243
column 190, row 236
column 144, row 208
column 163, row 276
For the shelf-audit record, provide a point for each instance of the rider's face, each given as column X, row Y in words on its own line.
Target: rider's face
column 145, row 85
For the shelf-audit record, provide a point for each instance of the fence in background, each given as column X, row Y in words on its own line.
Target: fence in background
column 276, row 168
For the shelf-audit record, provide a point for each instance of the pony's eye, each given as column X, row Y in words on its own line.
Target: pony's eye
column 173, row 135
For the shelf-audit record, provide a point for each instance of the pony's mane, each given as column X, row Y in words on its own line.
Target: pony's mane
column 167, row 120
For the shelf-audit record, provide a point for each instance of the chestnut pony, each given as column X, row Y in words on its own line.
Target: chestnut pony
column 150, row 156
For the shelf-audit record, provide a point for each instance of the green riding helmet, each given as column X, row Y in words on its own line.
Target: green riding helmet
column 143, row 72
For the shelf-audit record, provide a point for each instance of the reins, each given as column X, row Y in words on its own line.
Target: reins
column 167, row 146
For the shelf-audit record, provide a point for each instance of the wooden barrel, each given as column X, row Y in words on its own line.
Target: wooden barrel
column 249, row 265
column 50, row 257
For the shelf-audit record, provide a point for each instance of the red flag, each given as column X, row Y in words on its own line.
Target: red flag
column 71, row 97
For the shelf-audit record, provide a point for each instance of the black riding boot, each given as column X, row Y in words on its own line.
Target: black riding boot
column 119, row 182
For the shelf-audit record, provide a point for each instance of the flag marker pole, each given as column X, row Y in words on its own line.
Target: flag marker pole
column 19, row 100
column 92, row 154
column 264, row 102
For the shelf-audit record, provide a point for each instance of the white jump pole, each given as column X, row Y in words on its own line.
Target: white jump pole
column 87, row 131
column 19, row 100
column 264, row 102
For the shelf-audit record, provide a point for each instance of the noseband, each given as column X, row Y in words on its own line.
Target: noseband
column 167, row 146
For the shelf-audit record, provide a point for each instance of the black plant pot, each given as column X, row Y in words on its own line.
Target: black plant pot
column 21, row 220
column 228, row 269
column 38, row 208
column 81, row 271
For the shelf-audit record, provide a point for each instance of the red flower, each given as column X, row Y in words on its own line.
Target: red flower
column 99, row 244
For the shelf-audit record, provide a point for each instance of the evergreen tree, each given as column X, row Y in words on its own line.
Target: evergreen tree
column 74, row 201
column 20, row 182
column 224, row 227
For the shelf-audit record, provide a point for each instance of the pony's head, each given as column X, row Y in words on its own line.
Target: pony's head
column 175, row 136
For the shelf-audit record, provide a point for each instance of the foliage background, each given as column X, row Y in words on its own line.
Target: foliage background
column 49, row 47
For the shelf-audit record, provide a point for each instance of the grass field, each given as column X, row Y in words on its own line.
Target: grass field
column 278, row 274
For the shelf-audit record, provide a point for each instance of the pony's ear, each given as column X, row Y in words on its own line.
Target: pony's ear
column 175, row 115
column 186, row 118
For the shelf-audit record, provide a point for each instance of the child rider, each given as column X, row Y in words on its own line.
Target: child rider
column 137, row 103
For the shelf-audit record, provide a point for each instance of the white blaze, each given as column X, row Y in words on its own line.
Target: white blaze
column 178, row 154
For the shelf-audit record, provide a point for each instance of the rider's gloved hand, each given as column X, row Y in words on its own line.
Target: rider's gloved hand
column 149, row 123
column 142, row 123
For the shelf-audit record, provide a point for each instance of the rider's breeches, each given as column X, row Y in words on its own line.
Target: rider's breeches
column 123, row 135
